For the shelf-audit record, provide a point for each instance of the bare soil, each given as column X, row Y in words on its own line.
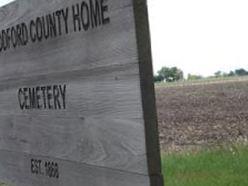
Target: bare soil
column 202, row 114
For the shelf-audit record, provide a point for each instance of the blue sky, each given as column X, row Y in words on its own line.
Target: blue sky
column 198, row 36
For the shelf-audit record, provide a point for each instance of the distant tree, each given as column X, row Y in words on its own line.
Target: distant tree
column 177, row 74
column 218, row 74
column 194, row 77
column 224, row 74
column 164, row 72
column 170, row 74
column 231, row 73
column 241, row 72
column 157, row 78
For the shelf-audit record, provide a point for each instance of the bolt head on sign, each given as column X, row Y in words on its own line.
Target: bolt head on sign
column 76, row 93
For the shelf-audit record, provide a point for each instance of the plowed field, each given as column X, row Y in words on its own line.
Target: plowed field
column 202, row 114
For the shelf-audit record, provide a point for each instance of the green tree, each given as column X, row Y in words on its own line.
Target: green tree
column 194, row 77
column 231, row 73
column 171, row 74
column 157, row 78
column 241, row 72
column 218, row 74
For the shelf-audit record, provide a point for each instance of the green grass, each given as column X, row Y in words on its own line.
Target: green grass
column 218, row 167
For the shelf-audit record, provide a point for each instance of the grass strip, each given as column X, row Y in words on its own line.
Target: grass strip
column 209, row 167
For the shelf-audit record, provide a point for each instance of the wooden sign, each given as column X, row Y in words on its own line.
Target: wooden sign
column 76, row 94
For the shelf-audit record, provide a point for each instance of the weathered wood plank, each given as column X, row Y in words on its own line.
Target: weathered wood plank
column 15, row 171
column 94, row 49
column 111, row 93
column 25, row 9
column 91, row 83
column 112, row 143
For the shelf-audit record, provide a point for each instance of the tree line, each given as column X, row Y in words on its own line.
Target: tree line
column 172, row 74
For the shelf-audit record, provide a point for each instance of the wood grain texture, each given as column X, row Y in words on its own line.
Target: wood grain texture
column 15, row 168
column 104, row 95
column 95, row 49
column 111, row 143
column 101, row 138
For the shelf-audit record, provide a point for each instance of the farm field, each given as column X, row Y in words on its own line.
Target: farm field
column 207, row 114
column 203, row 132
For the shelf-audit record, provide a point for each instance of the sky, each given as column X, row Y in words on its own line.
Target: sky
column 198, row 36
column 3, row 2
